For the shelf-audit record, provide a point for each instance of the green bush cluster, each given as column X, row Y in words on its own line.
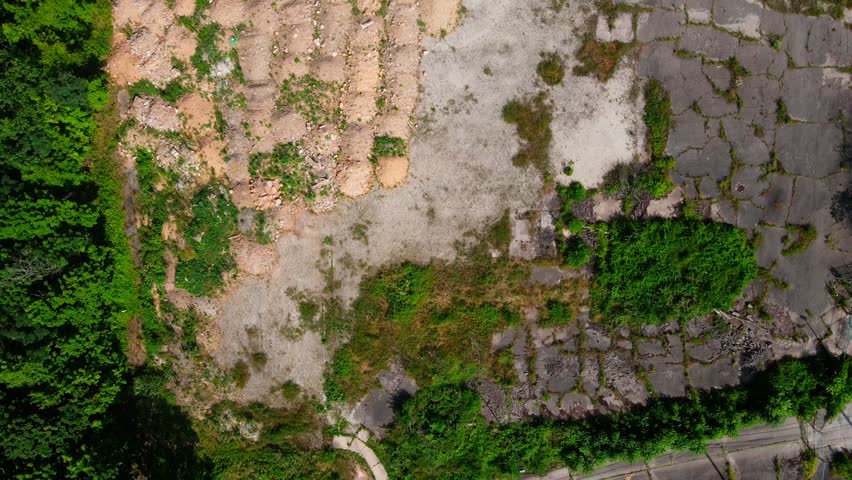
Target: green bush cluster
column 658, row 270
column 841, row 465
column 575, row 253
column 286, row 164
column 440, row 433
column 208, row 235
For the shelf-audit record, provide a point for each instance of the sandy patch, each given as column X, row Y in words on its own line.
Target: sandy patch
column 440, row 16
column 257, row 194
column 253, row 258
column 197, row 113
column 392, row 171
column 606, row 208
column 155, row 113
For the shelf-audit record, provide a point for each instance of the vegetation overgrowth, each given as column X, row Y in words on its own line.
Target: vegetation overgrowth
column 438, row 321
column 599, row 59
column 207, row 257
column 658, row 270
column 440, row 433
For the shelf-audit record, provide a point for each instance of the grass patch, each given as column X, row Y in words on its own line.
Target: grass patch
column 286, row 164
column 599, row 59
column 171, row 93
column 557, row 313
column 550, row 68
column 798, row 239
column 657, row 117
column 532, row 117
column 312, row 98
column 631, row 179
column 386, row 146
column 653, row 271
column 207, row 255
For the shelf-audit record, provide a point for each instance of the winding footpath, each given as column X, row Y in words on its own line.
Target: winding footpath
column 356, row 445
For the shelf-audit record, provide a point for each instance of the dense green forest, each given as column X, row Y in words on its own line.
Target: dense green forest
column 65, row 269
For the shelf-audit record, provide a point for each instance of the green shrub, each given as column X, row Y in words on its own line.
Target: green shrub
column 575, row 225
column 208, row 256
column 658, row 270
column 172, row 92
column 550, row 68
column 532, row 117
column 810, row 462
column 575, row 252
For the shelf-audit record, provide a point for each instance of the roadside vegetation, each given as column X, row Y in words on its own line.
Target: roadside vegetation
column 440, row 433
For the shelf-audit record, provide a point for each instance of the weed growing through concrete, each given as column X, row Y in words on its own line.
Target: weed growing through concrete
column 550, row 68
column 798, row 239
column 599, row 59
column 532, row 116
column 312, row 98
